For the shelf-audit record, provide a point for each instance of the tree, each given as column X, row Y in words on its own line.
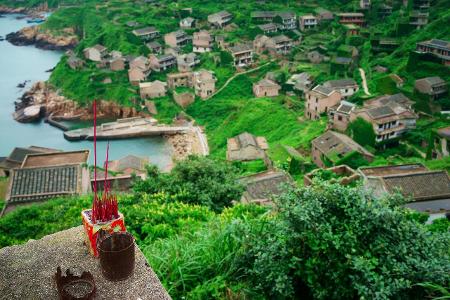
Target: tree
column 335, row 242
column 196, row 180
column 362, row 132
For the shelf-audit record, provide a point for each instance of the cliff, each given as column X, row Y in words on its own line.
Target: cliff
column 43, row 39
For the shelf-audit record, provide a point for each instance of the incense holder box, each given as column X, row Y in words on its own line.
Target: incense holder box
column 92, row 230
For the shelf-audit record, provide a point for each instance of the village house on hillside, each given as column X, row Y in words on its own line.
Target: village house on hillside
column 177, row 38
column 308, row 22
column 220, row 19
column 246, row 147
column 175, row 80
column 154, row 47
column 288, row 18
column 319, row 100
column 136, row 75
column 262, row 187
column 425, row 190
column 117, row 64
column 154, row 89
column 441, row 143
column 187, row 23
column 347, row 87
column 438, row 48
column 418, row 19
column 266, row 88
column 186, row 62
column 364, row 4
column 162, row 62
column 130, row 164
column 147, row 33
column 202, row 42
column 323, row 14
column 95, row 53
column 140, row 62
column 279, row 44
column 242, row 54
column 352, row 18
column 339, row 115
column 331, row 147
column 18, row 155
column 47, row 175
column 74, row 62
column 301, row 82
column 204, row 83
column 391, row 116
column 268, row 28
column 435, row 87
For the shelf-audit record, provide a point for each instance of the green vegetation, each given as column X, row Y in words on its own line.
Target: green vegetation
column 362, row 132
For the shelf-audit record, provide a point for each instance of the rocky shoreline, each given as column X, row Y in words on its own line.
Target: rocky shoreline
column 43, row 39
column 52, row 103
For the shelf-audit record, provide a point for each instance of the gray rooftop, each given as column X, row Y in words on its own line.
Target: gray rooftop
column 435, row 80
column 332, row 143
column 380, row 112
column 340, row 83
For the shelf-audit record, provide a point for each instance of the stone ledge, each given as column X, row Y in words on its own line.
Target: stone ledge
column 26, row 271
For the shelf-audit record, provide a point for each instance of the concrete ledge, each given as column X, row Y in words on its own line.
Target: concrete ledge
column 26, row 271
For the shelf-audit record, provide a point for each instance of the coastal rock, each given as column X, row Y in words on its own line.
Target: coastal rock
column 42, row 39
column 61, row 107
column 12, row 10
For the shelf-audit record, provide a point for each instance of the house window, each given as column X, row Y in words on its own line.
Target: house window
column 340, row 118
column 380, row 126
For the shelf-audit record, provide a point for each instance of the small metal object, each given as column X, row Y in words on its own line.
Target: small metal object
column 117, row 255
column 72, row 287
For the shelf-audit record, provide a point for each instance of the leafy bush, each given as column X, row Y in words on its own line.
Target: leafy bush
column 362, row 132
column 197, row 180
column 335, row 242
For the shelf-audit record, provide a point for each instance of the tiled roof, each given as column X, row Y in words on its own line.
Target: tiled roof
column 435, row 80
column 55, row 159
column 246, row 139
column 345, row 107
column 418, row 185
column 323, row 90
column 281, row 38
column 393, row 170
column 241, row 48
column 269, row 26
column 33, row 184
column 264, row 185
column 267, row 83
column 380, row 112
column 146, row 30
column 340, row 83
column 18, row 154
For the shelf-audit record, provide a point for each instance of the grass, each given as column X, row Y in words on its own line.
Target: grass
column 3, row 188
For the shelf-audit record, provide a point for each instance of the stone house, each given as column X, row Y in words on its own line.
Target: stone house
column 269, row 28
column 308, row 22
column 418, row 19
column 95, row 53
column 202, row 42
column 184, row 99
column 438, row 48
column 346, row 175
column 162, row 62
column 220, row 19
column 347, row 87
column 315, row 57
column 187, row 62
column 175, row 51
column 413, row 182
column 331, row 147
column 435, row 87
column 323, row 14
column 75, row 63
column 130, row 164
column 147, row 33
column 187, row 23
column 204, row 83
column 154, row 89
column 246, row 147
column 140, row 62
column 117, row 64
column 183, row 79
column 242, row 54
column 319, row 100
column 266, row 88
column 339, row 115
column 18, row 155
column 364, row 4
column 391, row 116
column 277, row 45
column 355, row 18
column 301, row 82
column 154, row 47
column 177, row 38
column 136, row 75
column 288, row 18
column 441, row 143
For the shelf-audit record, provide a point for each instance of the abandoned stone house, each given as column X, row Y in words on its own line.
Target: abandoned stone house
column 147, row 33
column 441, row 143
column 117, row 64
column 319, row 100
column 202, row 42
column 308, row 22
column 162, row 62
column 75, row 63
column 277, row 45
column 246, row 147
column 339, row 115
column 347, row 87
column 154, row 89
column 242, row 54
column 331, row 147
column 175, row 80
column 186, row 62
column 129, row 164
column 140, row 62
column 323, row 14
column 136, row 75
column 177, row 38
column 220, row 19
column 154, row 47
column 391, row 116
column 266, row 88
column 269, row 28
column 95, row 53
column 436, row 47
column 288, row 18
column 355, row 18
column 426, row 191
column 18, row 155
column 435, row 87
column 204, row 83
column 187, row 23
column 301, row 82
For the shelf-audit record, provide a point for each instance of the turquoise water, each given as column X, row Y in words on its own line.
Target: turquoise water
column 18, row 64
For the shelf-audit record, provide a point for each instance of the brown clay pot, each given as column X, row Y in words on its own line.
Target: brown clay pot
column 117, row 255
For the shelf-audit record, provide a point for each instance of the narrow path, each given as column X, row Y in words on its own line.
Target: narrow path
column 364, row 81
column 203, row 141
column 235, row 75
